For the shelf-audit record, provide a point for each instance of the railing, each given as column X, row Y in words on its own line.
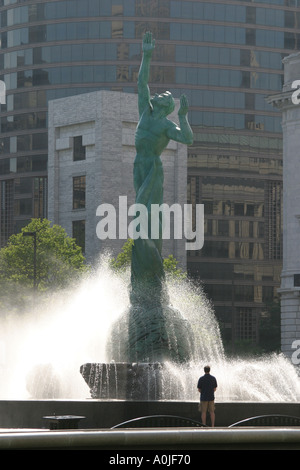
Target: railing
column 269, row 420
column 159, row 421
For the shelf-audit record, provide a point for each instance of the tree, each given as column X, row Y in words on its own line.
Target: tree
column 123, row 260
column 58, row 259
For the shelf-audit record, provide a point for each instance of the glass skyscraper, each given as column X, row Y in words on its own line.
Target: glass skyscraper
column 226, row 56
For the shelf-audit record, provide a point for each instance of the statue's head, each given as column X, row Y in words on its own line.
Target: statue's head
column 164, row 101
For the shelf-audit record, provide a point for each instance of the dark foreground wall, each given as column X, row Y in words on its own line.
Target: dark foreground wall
column 105, row 414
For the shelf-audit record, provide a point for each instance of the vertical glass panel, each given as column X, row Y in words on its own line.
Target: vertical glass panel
column 78, row 232
column 78, row 149
column 93, row 8
column 79, row 192
column 94, row 30
column 40, row 197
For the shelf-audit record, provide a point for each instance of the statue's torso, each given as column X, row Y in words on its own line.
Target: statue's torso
column 151, row 136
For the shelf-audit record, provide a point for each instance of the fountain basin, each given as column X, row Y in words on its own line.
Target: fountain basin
column 129, row 381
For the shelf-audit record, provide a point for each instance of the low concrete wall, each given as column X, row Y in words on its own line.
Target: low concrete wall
column 101, row 414
column 167, row 446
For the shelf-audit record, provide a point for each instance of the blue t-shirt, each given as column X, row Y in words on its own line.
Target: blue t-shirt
column 207, row 383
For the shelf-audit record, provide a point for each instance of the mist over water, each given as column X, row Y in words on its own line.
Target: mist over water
column 42, row 348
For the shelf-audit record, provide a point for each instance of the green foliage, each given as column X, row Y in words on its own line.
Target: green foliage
column 58, row 259
column 123, row 260
column 170, row 267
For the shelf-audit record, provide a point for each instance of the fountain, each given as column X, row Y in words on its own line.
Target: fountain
column 43, row 348
column 148, row 343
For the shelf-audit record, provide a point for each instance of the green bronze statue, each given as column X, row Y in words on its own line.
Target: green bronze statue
column 156, row 331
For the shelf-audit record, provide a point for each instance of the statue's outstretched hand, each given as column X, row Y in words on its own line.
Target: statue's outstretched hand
column 148, row 43
column 184, row 106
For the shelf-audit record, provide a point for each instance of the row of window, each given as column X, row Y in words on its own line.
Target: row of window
column 23, row 142
column 235, row 121
column 156, row 6
column 234, row 35
column 180, row 75
column 62, row 75
column 234, row 228
column 130, row 30
column 204, row 119
column 228, row 56
column 252, row 143
column 229, row 99
column 231, row 208
column 24, row 121
column 28, row 164
column 176, row 9
column 236, row 271
column 241, row 293
column 68, row 53
column 113, row 51
column 65, row 9
column 231, row 250
column 228, row 78
column 40, row 98
column 196, row 76
column 196, row 97
column 234, row 13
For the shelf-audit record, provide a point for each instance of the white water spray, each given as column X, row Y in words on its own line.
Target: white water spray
column 42, row 350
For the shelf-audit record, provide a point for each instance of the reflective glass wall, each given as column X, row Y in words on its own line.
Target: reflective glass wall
column 226, row 56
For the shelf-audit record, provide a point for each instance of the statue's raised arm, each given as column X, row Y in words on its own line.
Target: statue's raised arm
column 155, row 130
column 143, row 77
column 182, row 133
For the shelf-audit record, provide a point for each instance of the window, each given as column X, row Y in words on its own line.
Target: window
column 6, row 210
column 40, row 197
column 79, row 192
column 238, row 208
column 78, row 149
column 273, row 204
column 78, row 231
column 223, row 227
column 246, row 324
column 23, row 207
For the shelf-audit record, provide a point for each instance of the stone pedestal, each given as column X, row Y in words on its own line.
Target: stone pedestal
column 125, row 381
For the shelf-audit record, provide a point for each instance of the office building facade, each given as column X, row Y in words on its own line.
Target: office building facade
column 226, row 56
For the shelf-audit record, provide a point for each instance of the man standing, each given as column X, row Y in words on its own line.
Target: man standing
column 207, row 385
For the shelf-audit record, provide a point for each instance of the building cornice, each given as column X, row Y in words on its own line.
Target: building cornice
column 281, row 100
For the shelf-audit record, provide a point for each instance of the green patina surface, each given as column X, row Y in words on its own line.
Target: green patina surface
column 156, row 331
